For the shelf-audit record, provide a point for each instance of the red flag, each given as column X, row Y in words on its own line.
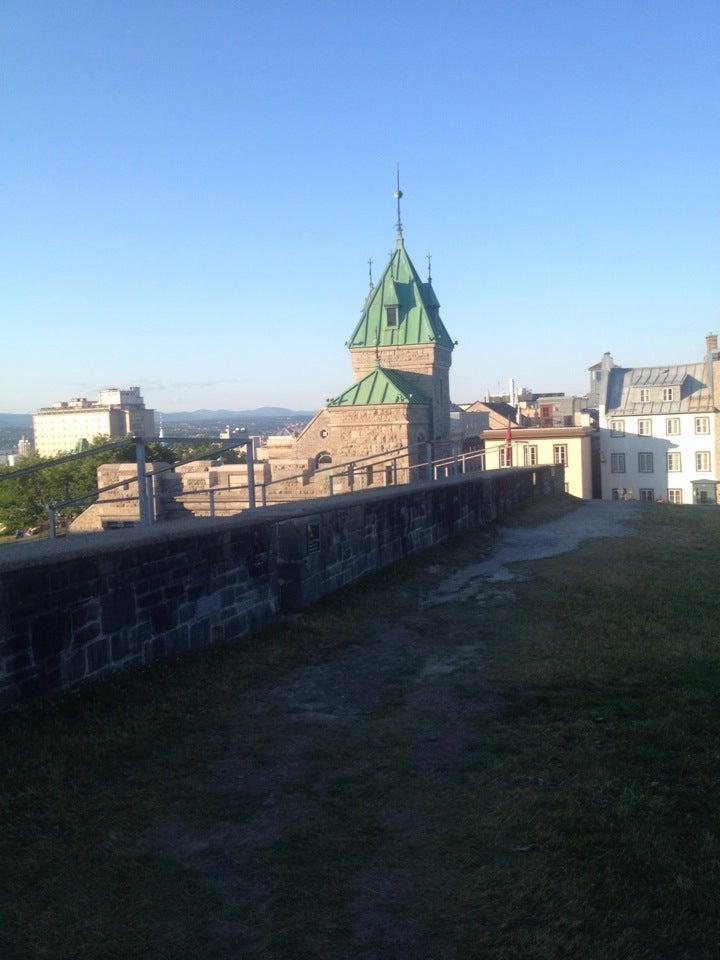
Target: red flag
column 508, row 434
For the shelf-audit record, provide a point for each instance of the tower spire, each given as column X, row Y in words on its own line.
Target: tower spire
column 398, row 197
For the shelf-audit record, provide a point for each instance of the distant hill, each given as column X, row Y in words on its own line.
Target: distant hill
column 20, row 420
column 258, row 414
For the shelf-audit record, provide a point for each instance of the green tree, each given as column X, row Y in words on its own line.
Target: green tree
column 24, row 500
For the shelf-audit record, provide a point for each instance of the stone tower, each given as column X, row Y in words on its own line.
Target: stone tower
column 400, row 330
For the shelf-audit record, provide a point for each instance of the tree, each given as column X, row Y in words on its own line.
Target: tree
column 24, row 500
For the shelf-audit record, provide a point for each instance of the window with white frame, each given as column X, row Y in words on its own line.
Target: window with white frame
column 617, row 463
column 668, row 393
column 644, row 395
column 560, row 454
column 647, row 494
column 672, row 426
column 674, row 495
column 702, row 461
column 617, row 428
column 530, row 455
column 702, row 424
column 645, row 428
column 505, row 456
column 674, row 462
column 645, row 463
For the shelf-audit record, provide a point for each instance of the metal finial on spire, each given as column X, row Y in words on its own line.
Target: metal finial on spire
column 370, row 273
column 429, row 258
column 398, row 197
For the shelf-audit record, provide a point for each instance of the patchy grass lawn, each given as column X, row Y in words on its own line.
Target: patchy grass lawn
column 529, row 774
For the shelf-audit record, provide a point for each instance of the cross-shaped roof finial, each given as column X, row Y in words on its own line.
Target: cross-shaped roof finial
column 370, row 273
column 429, row 258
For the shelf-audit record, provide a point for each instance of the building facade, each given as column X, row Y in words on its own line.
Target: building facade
column 400, row 354
column 659, row 430
column 67, row 425
column 533, row 446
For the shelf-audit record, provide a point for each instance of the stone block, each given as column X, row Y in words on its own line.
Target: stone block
column 148, row 600
column 236, row 626
column 138, row 635
column 118, row 610
column 163, row 617
column 119, row 647
column 177, row 641
column 199, row 634
column 50, row 633
column 86, row 634
column 16, row 663
column 208, row 605
column 97, row 656
column 73, row 667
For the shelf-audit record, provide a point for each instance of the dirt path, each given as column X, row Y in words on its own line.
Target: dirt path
column 336, row 767
column 594, row 519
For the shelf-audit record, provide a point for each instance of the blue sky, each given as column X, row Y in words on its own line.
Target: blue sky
column 191, row 190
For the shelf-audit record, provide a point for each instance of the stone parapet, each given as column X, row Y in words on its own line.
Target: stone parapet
column 83, row 606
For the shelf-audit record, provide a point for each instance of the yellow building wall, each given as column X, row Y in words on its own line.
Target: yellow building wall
column 578, row 470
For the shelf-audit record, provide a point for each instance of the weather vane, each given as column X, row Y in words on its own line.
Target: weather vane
column 370, row 273
column 398, row 196
column 429, row 258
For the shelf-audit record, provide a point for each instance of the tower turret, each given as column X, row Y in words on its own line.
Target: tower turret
column 400, row 327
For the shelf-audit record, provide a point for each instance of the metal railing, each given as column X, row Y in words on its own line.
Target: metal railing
column 402, row 465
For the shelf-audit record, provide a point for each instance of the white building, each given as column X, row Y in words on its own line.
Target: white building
column 658, row 429
column 24, row 447
column 116, row 413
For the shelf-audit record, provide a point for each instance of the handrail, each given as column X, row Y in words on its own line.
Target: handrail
column 36, row 467
column 58, row 505
column 385, row 455
column 147, row 496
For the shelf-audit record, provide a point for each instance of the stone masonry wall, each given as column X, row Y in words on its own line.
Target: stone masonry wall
column 80, row 607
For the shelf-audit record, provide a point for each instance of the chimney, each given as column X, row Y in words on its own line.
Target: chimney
column 711, row 344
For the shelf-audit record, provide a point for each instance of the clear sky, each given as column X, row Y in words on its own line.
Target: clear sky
column 191, row 189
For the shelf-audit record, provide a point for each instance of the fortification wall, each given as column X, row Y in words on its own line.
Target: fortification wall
column 79, row 607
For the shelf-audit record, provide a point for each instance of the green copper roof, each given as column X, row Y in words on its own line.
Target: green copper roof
column 379, row 386
column 419, row 315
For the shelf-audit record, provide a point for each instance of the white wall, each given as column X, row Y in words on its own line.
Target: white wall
column 659, row 443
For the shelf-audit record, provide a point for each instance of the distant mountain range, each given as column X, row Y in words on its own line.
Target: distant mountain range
column 22, row 421
column 259, row 414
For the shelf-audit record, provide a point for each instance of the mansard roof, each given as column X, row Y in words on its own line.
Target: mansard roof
column 380, row 386
column 693, row 394
column 418, row 308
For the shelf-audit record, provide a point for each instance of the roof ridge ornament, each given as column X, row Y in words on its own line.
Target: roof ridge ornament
column 429, row 258
column 398, row 197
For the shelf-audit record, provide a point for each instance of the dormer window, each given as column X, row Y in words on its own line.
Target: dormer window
column 668, row 393
column 392, row 316
column 644, row 395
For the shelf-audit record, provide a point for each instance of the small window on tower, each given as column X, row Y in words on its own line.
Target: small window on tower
column 392, row 316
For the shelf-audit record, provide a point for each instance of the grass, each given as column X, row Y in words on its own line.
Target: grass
column 533, row 776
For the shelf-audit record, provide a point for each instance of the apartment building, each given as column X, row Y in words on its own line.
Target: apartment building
column 658, row 429
column 116, row 413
